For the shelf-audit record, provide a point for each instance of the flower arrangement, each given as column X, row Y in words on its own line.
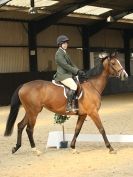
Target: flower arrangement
column 60, row 119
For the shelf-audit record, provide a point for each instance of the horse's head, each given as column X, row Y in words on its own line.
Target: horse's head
column 114, row 66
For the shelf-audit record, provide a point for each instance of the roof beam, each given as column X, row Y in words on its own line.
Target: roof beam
column 93, row 29
column 14, row 20
column 119, row 16
column 55, row 17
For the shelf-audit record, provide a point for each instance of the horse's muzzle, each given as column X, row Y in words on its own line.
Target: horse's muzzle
column 123, row 75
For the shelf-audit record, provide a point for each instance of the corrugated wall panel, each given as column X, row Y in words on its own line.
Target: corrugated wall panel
column 48, row 36
column 77, row 57
column 107, row 38
column 14, row 60
column 46, row 58
column 12, row 33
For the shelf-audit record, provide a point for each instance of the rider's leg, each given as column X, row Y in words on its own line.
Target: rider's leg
column 71, row 96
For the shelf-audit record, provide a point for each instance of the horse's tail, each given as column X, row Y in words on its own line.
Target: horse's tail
column 15, row 105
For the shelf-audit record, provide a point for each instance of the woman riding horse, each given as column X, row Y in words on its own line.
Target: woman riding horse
column 66, row 70
column 37, row 94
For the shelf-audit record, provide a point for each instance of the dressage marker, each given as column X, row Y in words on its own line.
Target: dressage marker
column 55, row 137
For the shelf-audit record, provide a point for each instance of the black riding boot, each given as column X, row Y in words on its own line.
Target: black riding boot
column 74, row 103
column 71, row 102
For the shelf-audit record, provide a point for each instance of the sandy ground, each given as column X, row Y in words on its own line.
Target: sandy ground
column 93, row 160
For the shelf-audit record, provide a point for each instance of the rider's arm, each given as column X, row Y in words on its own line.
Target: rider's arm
column 61, row 61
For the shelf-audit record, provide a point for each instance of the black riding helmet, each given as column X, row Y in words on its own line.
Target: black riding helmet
column 61, row 39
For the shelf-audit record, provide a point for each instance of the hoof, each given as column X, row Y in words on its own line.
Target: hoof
column 74, row 151
column 36, row 151
column 113, row 152
column 13, row 150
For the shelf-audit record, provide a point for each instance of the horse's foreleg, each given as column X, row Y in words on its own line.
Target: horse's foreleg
column 79, row 124
column 96, row 119
column 21, row 126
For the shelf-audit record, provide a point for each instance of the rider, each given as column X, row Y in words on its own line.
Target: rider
column 66, row 70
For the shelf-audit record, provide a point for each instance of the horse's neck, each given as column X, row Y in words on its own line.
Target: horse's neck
column 100, row 81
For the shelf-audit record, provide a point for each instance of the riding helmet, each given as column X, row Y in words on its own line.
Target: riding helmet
column 61, row 39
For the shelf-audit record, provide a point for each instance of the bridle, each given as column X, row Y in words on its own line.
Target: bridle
column 118, row 71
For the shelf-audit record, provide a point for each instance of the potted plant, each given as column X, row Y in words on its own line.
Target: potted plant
column 60, row 119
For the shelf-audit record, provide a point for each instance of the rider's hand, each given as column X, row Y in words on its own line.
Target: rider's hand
column 81, row 73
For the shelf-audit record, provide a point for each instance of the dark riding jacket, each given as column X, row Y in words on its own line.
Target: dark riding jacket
column 65, row 67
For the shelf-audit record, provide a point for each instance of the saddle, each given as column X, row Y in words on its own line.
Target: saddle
column 67, row 92
column 79, row 91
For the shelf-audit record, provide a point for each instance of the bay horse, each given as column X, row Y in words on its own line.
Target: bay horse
column 37, row 94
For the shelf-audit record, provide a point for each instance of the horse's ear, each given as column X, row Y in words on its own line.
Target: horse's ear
column 114, row 54
column 100, row 56
column 103, row 55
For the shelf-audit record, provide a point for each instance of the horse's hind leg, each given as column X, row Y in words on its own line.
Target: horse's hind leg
column 21, row 126
column 79, row 124
column 30, row 131
column 96, row 119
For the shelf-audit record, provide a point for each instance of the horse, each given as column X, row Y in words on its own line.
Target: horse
column 35, row 95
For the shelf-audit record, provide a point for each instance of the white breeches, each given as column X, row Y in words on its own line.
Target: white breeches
column 69, row 82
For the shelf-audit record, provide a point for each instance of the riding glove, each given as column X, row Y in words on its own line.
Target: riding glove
column 81, row 73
